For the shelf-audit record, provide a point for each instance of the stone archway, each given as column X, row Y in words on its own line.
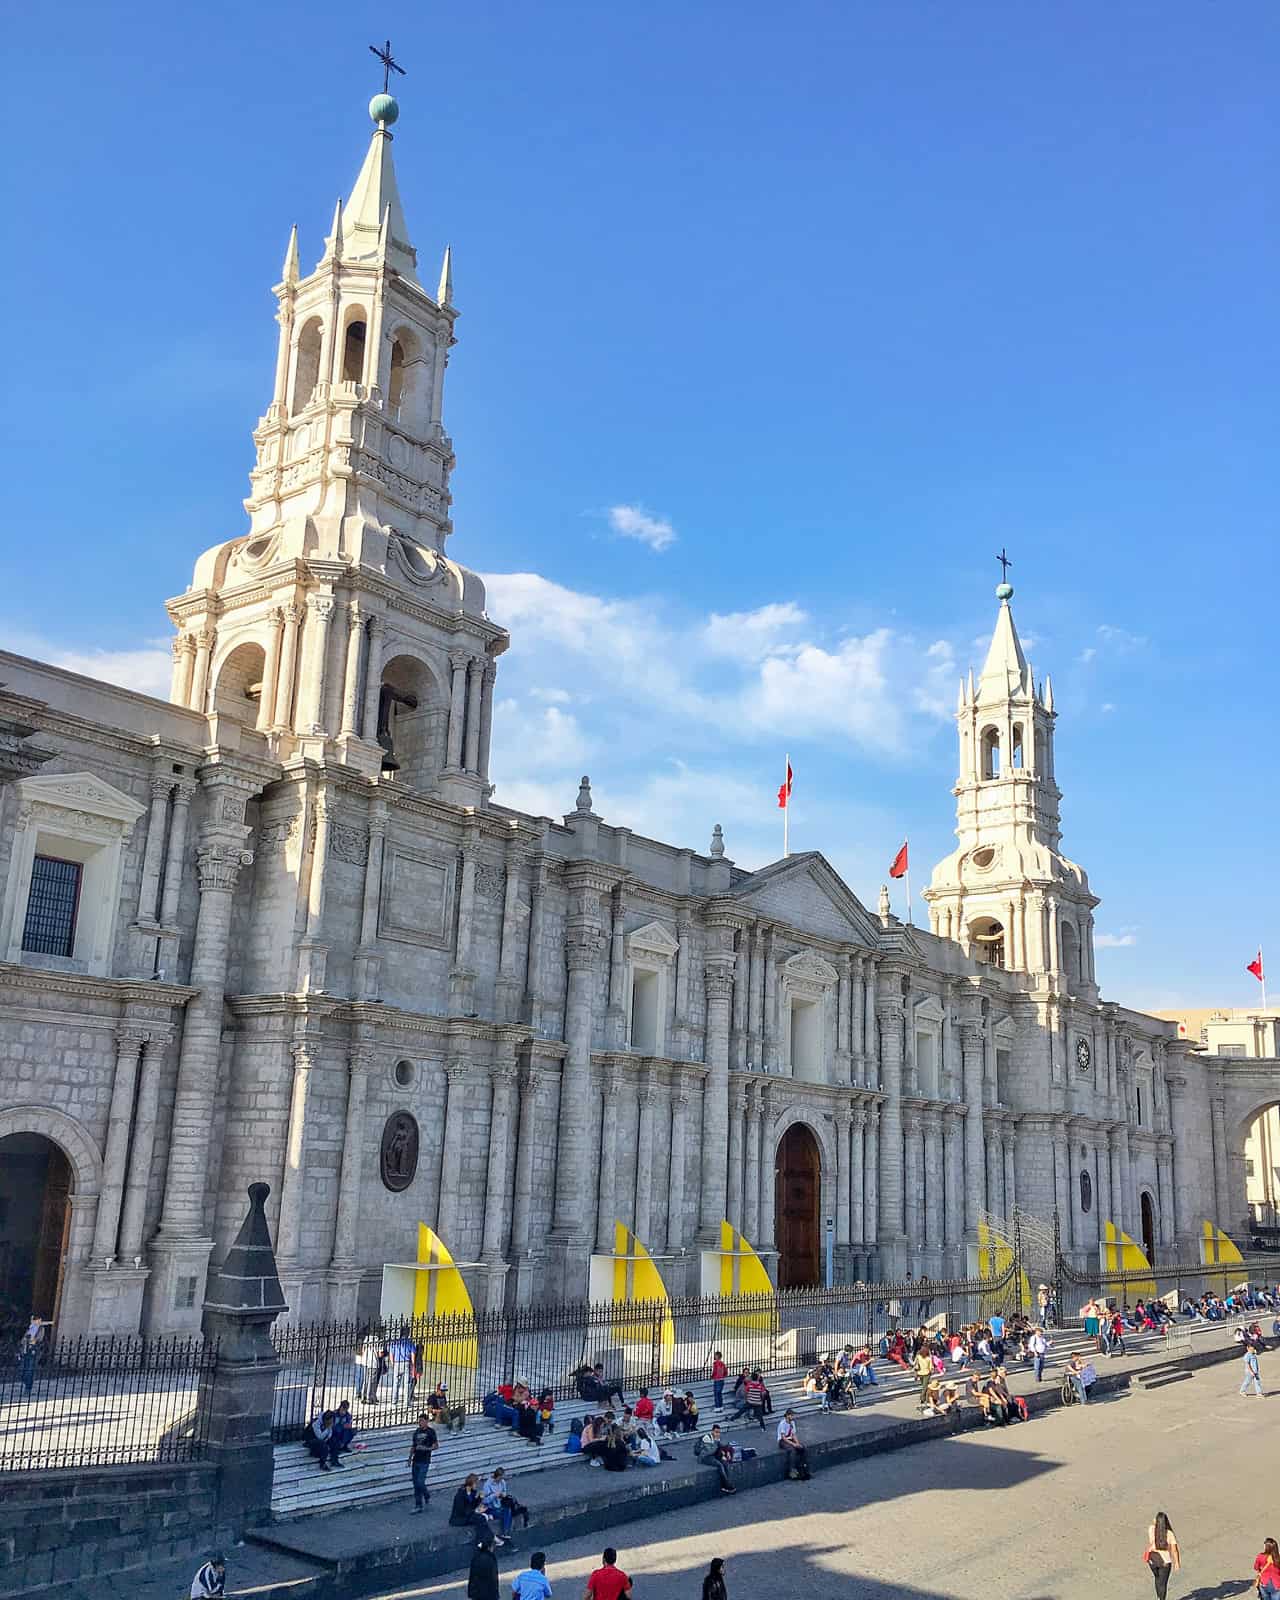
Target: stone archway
column 50, row 1173
column 1147, row 1215
column 797, row 1208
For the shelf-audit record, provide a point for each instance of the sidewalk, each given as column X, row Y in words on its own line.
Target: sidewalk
column 362, row 1550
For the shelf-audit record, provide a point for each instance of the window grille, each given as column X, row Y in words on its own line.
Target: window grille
column 50, row 928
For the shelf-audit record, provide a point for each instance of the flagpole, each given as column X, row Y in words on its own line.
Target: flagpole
column 1262, row 962
column 786, row 810
column 908, row 876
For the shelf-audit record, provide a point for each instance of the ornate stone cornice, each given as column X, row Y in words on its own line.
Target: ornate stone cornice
column 68, row 984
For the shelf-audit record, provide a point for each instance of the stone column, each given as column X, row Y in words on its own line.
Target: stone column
column 676, row 1166
column 843, row 1122
column 293, row 615
column 989, row 1061
column 200, row 675
column 1130, row 1206
column 857, row 1176
column 144, row 1136
column 475, row 692
column 316, row 654
column 179, row 678
column 646, row 1096
column 871, row 1045
column 534, row 966
column 270, row 671
column 934, row 1179
column 343, row 1261
column 741, row 981
column 755, row 1007
column 715, row 1096
column 1062, row 1184
column 175, row 855
column 1180, row 1183
column 871, row 1180
column 751, row 1203
column 1073, row 1191
column 368, row 961
column 509, row 985
column 1113, row 1174
column 735, row 1203
column 857, row 1019
column 351, row 676
column 486, row 716
column 1221, row 1164
column 528, row 1133
column 889, row 1005
column 606, row 1199
column 372, row 681
column 910, row 1079
column 462, row 977
column 842, row 1006
column 1010, row 1139
column 995, row 1171
column 616, row 1019
column 1168, row 1203
column 148, row 893
column 458, row 660
column 768, row 1156
column 583, row 944
column 448, row 1210
column 913, row 1184
column 971, row 1073
column 772, row 1057
column 295, row 1156
column 496, row 1197
column 684, row 961
column 953, row 1157
column 182, row 1240
column 129, row 1045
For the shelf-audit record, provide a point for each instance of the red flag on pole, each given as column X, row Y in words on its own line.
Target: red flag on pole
column 1255, row 966
column 784, row 789
column 899, row 867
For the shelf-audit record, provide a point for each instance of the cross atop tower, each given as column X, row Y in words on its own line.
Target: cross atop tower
column 1005, row 564
column 389, row 64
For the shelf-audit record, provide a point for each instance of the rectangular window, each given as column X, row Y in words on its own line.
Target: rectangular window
column 1230, row 1050
column 1141, row 1118
column 50, row 928
column 806, row 1040
column 644, row 1012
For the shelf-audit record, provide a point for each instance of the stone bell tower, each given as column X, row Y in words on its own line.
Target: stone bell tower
column 337, row 627
column 1007, row 893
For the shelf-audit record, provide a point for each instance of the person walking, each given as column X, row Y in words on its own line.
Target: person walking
column 608, row 1582
column 1162, row 1555
column 211, row 1579
column 1266, row 1570
column 1038, row 1344
column 482, row 1579
column 422, row 1444
column 532, row 1583
column 1252, row 1375
column 713, row 1585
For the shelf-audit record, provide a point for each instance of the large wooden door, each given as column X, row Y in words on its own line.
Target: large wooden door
column 797, row 1198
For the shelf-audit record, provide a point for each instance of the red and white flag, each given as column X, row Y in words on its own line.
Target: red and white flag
column 784, row 789
column 1255, row 966
column 899, row 867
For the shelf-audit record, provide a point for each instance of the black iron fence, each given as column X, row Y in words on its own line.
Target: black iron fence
column 105, row 1402
column 387, row 1368
column 1186, row 1279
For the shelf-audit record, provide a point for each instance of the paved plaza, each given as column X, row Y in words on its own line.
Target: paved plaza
column 1053, row 1510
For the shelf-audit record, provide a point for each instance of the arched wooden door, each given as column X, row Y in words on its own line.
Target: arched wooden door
column 797, row 1200
column 35, row 1188
column 1148, row 1228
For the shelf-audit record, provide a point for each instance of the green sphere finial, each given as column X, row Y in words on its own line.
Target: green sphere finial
column 1004, row 591
column 384, row 109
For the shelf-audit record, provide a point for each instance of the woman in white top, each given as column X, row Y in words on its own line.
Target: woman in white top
column 645, row 1452
column 1163, row 1555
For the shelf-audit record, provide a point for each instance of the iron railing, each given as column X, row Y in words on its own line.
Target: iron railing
column 652, row 1344
column 105, row 1402
column 1193, row 1278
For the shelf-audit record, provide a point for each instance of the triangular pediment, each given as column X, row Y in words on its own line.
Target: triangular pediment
column 80, row 791
column 809, row 894
column 652, row 936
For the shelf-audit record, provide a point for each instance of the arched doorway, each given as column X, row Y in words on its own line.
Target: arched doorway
column 797, row 1199
column 1148, row 1226
column 35, row 1214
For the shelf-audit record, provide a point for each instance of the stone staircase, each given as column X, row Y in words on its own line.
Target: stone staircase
column 380, row 1472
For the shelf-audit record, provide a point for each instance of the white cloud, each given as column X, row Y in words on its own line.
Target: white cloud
column 1120, row 638
column 752, row 635
column 146, row 668
column 1106, row 707
column 541, row 738
column 1086, row 656
column 634, row 522
column 555, row 697
column 1123, row 940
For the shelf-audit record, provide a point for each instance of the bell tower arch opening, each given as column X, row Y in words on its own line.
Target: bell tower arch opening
column 412, row 722
column 797, row 1202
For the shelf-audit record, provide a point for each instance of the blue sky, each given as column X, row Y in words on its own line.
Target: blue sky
column 833, row 301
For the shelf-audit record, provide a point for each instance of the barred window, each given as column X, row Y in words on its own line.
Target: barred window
column 50, row 928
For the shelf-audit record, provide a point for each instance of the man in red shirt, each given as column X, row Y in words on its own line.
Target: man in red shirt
column 608, row 1582
column 719, row 1372
column 644, row 1407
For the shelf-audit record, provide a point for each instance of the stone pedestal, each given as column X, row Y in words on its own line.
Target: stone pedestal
column 567, row 1266
column 175, row 1290
column 343, row 1293
column 115, row 1298
column 461, row 788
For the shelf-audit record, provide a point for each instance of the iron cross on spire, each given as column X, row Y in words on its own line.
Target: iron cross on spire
column 389, row 64
column 1005, row 564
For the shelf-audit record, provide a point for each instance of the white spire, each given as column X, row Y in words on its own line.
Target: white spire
column 1005, row 666
column 444, row 294
column 290, row 272
column 1048, row 692
column 333, row 243
column 374, row 195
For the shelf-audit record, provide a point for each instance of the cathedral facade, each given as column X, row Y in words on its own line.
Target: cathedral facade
column 280, row 928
